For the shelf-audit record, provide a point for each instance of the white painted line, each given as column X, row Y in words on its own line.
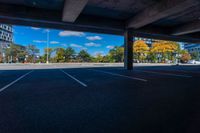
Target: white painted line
column 83, row 84
column 116, row 74
column 189, row 71
column 5, row 87
column 169, row 74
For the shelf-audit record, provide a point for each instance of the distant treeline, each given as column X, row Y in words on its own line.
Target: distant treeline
column 159, row 52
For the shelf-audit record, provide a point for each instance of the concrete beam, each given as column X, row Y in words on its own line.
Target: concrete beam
column 128, row 50
column 30, row 16
column 115, row 29
column 188, row 39
column 161, row 10
column 187, row 28
column 72, row 9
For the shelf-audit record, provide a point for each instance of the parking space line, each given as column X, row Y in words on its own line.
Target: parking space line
column 116, row 74
column 83, row 84
column 169, row 74
column 13, row 82
column 185, row 71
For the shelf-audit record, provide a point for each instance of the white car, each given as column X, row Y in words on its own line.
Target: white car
column 193, row 62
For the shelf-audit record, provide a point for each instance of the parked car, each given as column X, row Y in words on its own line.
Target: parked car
column 193, row 62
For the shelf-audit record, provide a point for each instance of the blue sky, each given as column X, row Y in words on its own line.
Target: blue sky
column 93, row 43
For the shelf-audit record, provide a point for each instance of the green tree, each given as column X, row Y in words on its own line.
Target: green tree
column 60, row 55
column 194, row 55
column 21, row 55
column 15, row 53
column 116, row 54
column 99, row 58
column 84, row 56
column 69, row 54
column 32, row 52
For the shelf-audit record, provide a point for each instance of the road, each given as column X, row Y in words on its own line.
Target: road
column 155, row 99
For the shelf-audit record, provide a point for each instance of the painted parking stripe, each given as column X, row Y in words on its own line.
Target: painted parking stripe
column 181, row 71
column 185, row 71
column 83, row 84
column 13, row 82
column 168, row 74
column 116, row 74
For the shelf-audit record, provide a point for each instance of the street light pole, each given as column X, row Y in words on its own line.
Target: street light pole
column 47, row 61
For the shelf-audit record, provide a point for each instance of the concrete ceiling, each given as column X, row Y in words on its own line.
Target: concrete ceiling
column 176, row 20
column 46, row 4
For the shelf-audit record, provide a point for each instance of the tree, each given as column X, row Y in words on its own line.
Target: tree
column 165, row 50
column 60, row 55
column 108, row 58
column 21, row 55
column 99, row 58
column 69, row 54
column 185, row 56
column 140, row 50
column 32, row 52
column 194, row 55
column 15, row 53
column 65, row 55
column 116, row 54
column 50, row 52
column 84, row 56
column 1, row 58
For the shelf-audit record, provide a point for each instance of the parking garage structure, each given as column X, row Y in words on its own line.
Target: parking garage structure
column 176, row 20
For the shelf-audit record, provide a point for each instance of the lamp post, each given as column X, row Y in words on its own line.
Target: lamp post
column 47, row 60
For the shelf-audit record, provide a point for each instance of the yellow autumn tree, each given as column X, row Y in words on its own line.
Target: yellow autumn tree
column 140, row 50
column 165, row 49
column 164, row 46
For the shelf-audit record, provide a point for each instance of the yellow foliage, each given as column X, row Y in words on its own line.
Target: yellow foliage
column 164, row 46
column 140, row 46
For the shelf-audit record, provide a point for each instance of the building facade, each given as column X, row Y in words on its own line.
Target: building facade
column 6, row 35
column 148, row 41
column 6, row 38
column 193, row 48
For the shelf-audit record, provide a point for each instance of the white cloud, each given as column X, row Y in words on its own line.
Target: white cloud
column 35, row 28
column 54, row 42
column 91, row 44
column 77, row 46
column 71, row 33
column 93, row 38
column 110, row 47
column 39, row 41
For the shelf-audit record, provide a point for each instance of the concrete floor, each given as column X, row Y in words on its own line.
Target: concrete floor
column 155, row 99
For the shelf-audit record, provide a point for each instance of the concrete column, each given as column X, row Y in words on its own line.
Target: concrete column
column 128, row 50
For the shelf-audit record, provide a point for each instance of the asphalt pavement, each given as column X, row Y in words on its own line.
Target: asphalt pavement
column 149, row 99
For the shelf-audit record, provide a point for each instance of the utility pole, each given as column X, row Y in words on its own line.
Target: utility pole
column 47, row 61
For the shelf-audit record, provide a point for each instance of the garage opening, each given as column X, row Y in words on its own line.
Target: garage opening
column 105, row 66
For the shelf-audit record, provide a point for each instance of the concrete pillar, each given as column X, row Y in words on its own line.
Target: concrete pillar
column 128, row 50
